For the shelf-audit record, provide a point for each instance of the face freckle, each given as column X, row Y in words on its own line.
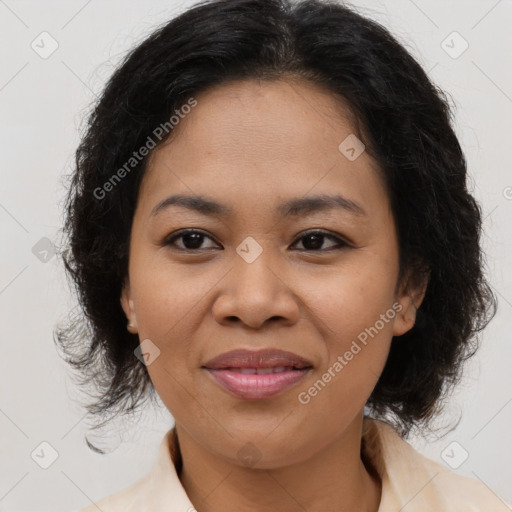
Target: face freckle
column 239, row 170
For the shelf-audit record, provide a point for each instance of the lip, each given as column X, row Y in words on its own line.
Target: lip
column 236, row 372
column 254, row 386
column 265, row 358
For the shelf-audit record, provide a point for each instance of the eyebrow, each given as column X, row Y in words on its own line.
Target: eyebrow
column 292, row 208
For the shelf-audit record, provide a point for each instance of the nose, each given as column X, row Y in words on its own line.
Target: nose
column 255, row 293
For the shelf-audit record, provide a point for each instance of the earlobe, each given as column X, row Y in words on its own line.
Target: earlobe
column 410, row 300
column 128, row 307
column 406, row 317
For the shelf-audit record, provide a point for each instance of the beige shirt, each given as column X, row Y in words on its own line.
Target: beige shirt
column 410, row 481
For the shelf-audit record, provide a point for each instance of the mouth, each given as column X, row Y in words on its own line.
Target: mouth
column 256, row 375
column 257, row 384
column 259, row 371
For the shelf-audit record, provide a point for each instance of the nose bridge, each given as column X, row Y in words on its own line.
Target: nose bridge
column 255, row 268
column 255, row 291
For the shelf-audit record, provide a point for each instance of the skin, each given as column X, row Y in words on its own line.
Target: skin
column 252, row 145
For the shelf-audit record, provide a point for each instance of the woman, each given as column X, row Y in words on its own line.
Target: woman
column 270, row 229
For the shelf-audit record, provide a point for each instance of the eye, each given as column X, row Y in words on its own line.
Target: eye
column 314, row 240
column 192, row 240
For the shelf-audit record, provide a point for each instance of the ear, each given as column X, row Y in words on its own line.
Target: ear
column 128, row 306
column 410, row 295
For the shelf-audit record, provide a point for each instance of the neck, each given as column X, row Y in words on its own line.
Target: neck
column 334, row 478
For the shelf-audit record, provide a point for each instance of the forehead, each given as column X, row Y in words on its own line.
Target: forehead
column 274, row 117
column 279, row 138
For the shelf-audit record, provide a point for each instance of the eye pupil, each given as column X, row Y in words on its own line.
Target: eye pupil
column 317, row 237
column 196, row 237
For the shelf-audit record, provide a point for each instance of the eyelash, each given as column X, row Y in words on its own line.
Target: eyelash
column 169, row 241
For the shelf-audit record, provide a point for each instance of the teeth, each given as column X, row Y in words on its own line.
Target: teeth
column 247, row 370
column 262, row 371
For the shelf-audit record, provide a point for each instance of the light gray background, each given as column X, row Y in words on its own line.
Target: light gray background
column 42, row 105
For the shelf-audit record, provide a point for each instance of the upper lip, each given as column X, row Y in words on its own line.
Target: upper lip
column 266, row 358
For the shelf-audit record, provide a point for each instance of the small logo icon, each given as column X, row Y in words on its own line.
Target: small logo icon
column 454, row 45
column 249, row 249
column 351, row 147
column 44, row 455
column 44, row 45
column 147, row 352
column 454, row 455
column 249, row 455
column 44, row 250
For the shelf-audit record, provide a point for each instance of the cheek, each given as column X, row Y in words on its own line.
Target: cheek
column 167, row 297
column 348, row 299
column 355, row 315
column 356, row 354
column 170, row 302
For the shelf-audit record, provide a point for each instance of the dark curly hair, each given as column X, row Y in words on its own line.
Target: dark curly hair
column 404, row 121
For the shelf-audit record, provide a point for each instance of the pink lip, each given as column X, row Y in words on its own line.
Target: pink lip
column 265, row 358
column 228, row 370
column 255, row 386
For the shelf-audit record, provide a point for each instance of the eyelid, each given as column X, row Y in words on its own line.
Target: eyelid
column 327, row 233
column 342, row 241
column 169, row 239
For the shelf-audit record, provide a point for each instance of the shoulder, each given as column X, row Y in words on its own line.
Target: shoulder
column 448, row 490
column 409, row 479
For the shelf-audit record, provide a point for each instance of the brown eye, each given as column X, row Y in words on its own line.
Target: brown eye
column 192, row 239
column 314, row 240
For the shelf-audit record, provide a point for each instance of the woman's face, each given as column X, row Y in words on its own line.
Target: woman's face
column 255, row 277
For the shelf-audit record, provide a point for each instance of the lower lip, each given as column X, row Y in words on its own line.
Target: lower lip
column 254, row 386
